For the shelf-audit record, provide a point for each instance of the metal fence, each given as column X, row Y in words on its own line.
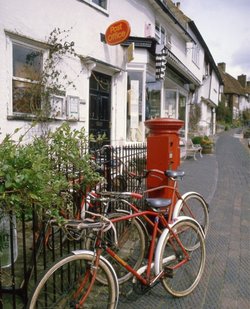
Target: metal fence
column 27, row 242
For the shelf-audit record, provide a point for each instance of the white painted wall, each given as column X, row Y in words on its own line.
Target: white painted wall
column 35, row 19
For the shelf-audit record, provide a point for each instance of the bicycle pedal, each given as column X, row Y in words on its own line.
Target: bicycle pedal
column 168, row 272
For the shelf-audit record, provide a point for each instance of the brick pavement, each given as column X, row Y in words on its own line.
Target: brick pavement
column 224, row 180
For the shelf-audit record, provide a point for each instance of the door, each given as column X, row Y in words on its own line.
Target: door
column 100, row 106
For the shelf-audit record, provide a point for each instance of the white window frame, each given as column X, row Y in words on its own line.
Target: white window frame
column 99, row 7
column 141, row 69
column 18, row 41
column 162, row 35
column 58, row 107
column 73, row 103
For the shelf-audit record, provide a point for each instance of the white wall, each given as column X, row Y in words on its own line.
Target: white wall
column 35, row 19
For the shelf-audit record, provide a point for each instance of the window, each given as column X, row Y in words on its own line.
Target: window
column 103, row 4
column 134, row 106
column 196, row 54
column 153, row 99
column 160, row 34
column 182, row 107
column 170, row 104
column 27, row 69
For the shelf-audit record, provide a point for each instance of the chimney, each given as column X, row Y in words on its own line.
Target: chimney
column 178, row 4
column 242, row 80
column 222, row 65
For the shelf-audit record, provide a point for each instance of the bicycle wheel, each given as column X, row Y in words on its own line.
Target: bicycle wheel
column 66, row 282
column 193, row 205
column 182, row 276
column 131, row 245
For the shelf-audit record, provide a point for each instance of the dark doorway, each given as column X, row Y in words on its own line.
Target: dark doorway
column 100, row 106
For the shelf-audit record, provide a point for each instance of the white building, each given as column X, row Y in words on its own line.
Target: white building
column 114, row 93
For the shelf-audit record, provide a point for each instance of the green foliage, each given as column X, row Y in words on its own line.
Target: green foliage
column 204, row 141
column 246, row 133
column 194, row 116
column 197, row 139
column 36, row 173
column 52, row 80
column 224, row 114
column 246, row 116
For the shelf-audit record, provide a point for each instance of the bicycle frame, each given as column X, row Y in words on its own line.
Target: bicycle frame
column 158, row 217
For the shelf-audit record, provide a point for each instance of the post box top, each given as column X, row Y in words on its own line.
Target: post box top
column 163, row 125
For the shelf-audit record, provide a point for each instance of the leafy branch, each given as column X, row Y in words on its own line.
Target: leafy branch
column 36, row 173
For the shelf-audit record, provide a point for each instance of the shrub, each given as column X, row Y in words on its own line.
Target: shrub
column 35, row 173
column 204, row 141
column 246, row 133
column 197, row 139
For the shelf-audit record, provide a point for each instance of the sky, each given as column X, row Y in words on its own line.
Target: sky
column 225, row 27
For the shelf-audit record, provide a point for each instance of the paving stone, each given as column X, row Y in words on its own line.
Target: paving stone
column 224, row 180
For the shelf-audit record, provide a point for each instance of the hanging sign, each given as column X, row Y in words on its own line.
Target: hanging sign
column 117, row 32
column 130, row 52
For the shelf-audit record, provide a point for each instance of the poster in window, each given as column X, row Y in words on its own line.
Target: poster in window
column 73, row 107
column 134, row 104
column 58, row 108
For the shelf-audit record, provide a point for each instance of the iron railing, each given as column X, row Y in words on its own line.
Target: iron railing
column 27, row 243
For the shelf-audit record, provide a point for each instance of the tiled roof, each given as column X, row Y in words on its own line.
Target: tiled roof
column 231, row 85
column 182, row 18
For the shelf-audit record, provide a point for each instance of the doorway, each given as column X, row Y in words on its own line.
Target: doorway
column 100, row 106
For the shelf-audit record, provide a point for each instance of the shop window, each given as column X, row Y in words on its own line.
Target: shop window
column 27, row 69
column 153, row 100
column 170, row 104
column 134, row 107
column 182, row 107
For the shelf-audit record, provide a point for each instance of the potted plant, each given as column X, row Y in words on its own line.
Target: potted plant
column 205, row 142
column 207, row 145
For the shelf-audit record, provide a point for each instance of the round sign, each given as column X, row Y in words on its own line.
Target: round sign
column 117, row 32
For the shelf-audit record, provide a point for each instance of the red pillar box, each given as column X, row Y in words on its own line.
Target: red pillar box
column 163, row 151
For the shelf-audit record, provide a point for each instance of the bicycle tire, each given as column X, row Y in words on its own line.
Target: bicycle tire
column 59, row 283
column 194, row 205
column 132, row 244
column 182, row 281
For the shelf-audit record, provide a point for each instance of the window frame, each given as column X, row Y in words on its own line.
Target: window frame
column 22, row 43
column 11, row 39
column 163, row 36
column 196, row 55
column 98, row 7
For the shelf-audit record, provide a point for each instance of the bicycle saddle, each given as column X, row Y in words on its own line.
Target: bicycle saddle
column 158, row 202
column 174, row 174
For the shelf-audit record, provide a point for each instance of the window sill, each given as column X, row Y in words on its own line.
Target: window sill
column 25, row 117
